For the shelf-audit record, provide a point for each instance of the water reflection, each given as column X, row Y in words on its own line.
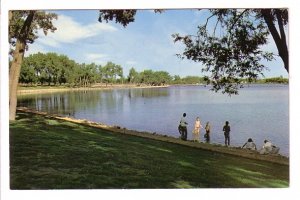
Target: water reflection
column 148, row 93
column 66, row 103
column 69, row 103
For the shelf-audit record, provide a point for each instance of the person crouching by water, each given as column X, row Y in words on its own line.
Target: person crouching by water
column 196, row 131
column 226, row 129
column 207, row 132
column 249, row 145
column 269, row 148
column 183, row 127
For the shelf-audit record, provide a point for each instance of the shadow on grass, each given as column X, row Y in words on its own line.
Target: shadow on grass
column 54, row 154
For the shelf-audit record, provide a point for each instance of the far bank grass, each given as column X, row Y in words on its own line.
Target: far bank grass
column 53, row 154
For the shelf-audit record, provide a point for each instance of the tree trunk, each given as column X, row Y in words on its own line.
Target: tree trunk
column 280, row 42
column 14, row 75
column 14, row 72
column 283, row 53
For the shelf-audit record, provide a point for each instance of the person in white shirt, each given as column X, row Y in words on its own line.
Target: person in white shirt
column 269, row 148
column 249, row 145
column 183, row 127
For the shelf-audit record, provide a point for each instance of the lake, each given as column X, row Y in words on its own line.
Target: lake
column 259, row 111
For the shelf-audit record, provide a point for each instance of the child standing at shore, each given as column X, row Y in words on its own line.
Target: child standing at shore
column 207, row 134
column 196, row 132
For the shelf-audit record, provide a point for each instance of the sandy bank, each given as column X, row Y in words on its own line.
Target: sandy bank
column 236, row 151
column 23, row 91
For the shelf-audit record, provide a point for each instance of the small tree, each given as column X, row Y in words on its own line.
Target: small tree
column 162, row 77
column 132, row 76
column 177, row 79
column 111, row 71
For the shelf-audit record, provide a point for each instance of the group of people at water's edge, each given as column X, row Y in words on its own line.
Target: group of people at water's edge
column 267, row 147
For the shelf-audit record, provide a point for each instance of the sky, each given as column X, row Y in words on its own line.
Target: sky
column 146, row 43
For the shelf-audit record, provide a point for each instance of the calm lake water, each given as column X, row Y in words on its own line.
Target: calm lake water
column 259, row 111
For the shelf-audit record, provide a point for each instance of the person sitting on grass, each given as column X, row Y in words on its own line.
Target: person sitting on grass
column 269, row 148
column 249, row 145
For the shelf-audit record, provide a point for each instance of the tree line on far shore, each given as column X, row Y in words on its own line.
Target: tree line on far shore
column 54, row 69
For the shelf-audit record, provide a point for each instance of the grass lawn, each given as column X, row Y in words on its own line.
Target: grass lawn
column 52, row 154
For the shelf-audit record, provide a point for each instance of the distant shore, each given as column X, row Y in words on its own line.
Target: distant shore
column 22, row 90
column 52, row 89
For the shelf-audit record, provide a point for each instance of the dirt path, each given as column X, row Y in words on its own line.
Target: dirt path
column 236, row 151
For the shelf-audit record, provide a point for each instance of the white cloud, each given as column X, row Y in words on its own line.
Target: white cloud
column 70, row 31
column 96, row 58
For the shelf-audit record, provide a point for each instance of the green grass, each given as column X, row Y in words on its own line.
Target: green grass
column 53, row 154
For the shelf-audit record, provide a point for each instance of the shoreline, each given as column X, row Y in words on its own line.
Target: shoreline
column 235, row 151
column 23, row 91
column 53, row 89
